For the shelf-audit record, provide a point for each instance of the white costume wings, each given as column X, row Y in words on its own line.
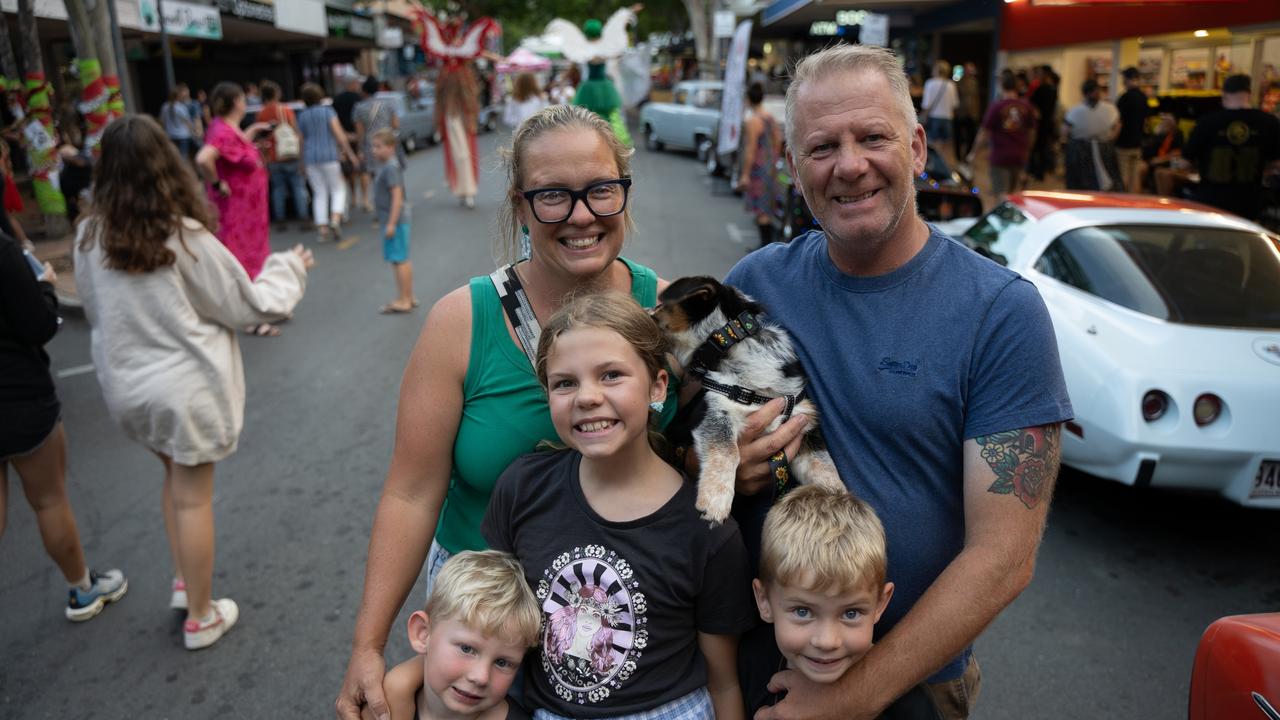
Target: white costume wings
column 576, row 47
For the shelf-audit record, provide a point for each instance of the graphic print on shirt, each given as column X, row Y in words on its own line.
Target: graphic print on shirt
column 593, row 623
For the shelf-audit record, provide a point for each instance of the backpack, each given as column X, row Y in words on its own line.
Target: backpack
column 287, row 143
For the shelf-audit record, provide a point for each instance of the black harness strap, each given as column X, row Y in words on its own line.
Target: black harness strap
column 709, row 354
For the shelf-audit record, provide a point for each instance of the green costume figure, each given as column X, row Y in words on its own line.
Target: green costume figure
column 595, row 45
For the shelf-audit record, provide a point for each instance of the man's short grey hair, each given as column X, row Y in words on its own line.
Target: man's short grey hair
column 851, row 58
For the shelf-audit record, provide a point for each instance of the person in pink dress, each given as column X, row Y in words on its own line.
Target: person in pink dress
column 237, row 180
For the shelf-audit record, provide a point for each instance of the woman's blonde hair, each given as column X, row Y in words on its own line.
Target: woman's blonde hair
column 823, row 540
column 487, row 592
column 547, row 120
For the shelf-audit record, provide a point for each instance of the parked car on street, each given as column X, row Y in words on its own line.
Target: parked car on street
column 689, row 122
column 417, row 118
column 1167, row 315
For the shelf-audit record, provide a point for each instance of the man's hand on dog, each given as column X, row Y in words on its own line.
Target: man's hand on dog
column 754, row 449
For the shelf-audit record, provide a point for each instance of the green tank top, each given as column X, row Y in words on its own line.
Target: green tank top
column 504, row 411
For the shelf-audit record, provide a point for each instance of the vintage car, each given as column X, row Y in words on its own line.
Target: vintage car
column 1234, row 675
column 417, row 118
column 1167, row 315
column 690, row 121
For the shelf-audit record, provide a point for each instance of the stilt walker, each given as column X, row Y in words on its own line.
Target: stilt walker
column 457, row 94
column 596, row 45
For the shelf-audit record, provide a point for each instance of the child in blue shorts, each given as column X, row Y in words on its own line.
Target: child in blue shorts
column 392, row 213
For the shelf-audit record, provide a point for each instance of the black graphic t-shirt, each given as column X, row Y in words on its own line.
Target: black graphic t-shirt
column 1231, row 149
column 622, row 602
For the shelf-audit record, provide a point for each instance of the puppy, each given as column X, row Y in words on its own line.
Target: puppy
column 757, row 358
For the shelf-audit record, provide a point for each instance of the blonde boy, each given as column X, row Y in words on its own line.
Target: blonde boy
column 392, row 215
column 822, row 587
column 479, row 621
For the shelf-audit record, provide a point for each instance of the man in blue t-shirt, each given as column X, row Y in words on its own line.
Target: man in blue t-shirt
column 937, row 375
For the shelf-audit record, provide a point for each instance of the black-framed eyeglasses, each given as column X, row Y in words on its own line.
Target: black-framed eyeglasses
column 556, row 204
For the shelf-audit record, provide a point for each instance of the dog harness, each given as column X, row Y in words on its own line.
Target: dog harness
column 710, row 353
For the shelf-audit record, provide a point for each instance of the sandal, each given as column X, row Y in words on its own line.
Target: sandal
column 263, row 330
column 393, row 309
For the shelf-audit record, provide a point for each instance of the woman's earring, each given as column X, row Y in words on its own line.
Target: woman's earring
column 657, row 406
column 526, row 248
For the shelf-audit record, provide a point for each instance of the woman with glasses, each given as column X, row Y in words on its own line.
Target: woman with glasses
column 470, row 402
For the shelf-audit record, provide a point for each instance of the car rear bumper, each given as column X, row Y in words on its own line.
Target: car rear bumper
column 1230, row 473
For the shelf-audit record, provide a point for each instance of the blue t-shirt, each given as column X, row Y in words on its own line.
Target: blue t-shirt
column 904, row 368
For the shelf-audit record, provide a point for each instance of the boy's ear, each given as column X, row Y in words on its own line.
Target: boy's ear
column 884, row 601
column 762, row 600
column 420, row 630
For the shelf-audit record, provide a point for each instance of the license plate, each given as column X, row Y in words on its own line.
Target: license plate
column 1267, row 483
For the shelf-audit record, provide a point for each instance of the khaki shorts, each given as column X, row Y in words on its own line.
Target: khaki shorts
column 956, row 699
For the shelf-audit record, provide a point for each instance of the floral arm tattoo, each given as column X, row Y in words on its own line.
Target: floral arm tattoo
column 1025, row 462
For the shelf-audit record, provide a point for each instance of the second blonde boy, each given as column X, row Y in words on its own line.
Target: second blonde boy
column 822, row 588
column 479, row 621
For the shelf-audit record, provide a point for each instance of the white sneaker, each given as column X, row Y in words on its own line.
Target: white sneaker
column 105, row 587
column 178, row 601
column 197, row 635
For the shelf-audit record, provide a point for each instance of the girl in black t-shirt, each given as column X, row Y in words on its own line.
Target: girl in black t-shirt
column 642, row 600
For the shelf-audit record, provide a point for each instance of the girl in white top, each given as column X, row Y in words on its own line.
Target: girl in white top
column 939, row 105
column 526, row 99
column 164, row 298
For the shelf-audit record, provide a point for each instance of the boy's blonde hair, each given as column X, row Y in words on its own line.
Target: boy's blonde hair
column 385, row 136
column 823, row 540
column 487, row 592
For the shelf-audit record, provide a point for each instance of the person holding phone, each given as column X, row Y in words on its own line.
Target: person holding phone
column 32, row 438
column 233, row 168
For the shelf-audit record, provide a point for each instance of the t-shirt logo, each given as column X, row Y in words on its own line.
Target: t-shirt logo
column 1238, row 133
column 593, row 623
column 1012, row 119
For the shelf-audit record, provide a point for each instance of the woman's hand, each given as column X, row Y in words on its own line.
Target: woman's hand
column 755, row 448
column 48, row 275
column 256, row 129
column 362, row 687
column 308, row 260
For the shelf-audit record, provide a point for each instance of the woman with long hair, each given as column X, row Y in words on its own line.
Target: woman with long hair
column 237, row 179
column 324, row 145
column 163, row 298
column 762, row 146
column 526, row 99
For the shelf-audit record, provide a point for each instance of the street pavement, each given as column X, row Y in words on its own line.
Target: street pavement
column 1127, row 579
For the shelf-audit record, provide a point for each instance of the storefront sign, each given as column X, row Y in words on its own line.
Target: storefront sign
column 875, row 30
column 344, row 25
column 723, row 24
column 391, row 37
column 249, row 10
column 180, row 18
column 301, row 16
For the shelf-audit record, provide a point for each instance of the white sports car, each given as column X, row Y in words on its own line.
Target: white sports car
column 1167, row 315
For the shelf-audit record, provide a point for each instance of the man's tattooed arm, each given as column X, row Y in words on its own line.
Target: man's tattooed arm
column 1025, row 462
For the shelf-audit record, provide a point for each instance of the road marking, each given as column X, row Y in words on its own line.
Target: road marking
column 73, row 371
column 735, row 233
column 347, row 241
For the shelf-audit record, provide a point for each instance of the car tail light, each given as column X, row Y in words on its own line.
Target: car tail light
column 1154, row 405
column 1207, row 409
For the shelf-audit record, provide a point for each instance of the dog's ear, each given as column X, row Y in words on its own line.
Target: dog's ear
column 696, row 296
column 733, row 302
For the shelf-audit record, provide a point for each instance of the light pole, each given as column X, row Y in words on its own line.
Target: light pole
column 169, row 81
